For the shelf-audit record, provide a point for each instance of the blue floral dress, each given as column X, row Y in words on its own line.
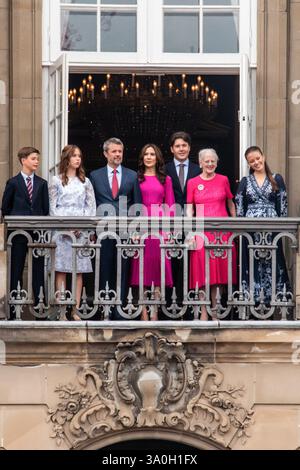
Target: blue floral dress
column 262, row 202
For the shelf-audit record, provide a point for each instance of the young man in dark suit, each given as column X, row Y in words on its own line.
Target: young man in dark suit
column 26, row 195
column 116, row 190
column 180, row 169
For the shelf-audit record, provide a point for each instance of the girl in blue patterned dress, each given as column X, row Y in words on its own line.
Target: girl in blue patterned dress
column 262, row 194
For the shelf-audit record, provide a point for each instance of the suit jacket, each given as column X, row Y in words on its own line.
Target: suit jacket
column 130, row 189
column 16, row 200
column 180, row 196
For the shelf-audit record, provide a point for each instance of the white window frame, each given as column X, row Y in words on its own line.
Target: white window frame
column 150, row 39
column 52, row 9
column 55, row 113
column 204, row 59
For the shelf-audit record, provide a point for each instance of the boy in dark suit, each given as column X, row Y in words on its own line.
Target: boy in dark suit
column 26, row 195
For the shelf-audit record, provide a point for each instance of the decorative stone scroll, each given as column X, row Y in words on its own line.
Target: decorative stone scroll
column 150, row 384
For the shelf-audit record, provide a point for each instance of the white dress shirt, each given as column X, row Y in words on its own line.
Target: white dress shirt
column 186, row 163
column 110, row 173
column 28, row 176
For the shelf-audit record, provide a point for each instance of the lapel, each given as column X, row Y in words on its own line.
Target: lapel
column 36, row 185
column 104, row 179
column 190, row 172
column 122, row 190
column 23, row 187
column 175, row 176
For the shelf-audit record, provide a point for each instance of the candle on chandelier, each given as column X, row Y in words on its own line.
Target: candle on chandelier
column 92, row 87
column 185, row 90
column 108, row 80
column 104, row 89
column 90, row 78
column 73, row 98
column 79, row 102
column 207, row 93
column 193, row 91
column 155, row 87
column 122, row 86
column 215, row 100
column 84, row 85
column 170, row 90
column 202, row 85
column 197, row 92
column 209, row 102
column 81, row 93
column 199, row 80
column 183, row 80
column 137, row 87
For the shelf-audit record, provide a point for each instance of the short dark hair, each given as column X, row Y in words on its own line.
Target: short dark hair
column 25, row 152
column 180, row 135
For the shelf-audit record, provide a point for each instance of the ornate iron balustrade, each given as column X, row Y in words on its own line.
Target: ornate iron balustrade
column 263, row 238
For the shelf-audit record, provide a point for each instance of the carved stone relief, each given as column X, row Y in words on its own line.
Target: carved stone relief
column 150, row 383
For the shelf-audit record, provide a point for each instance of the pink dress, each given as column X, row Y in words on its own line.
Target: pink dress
column 154, row 193
column 210, row 198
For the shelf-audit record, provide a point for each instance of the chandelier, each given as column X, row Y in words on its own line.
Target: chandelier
column 136, row 88
column 141, row 105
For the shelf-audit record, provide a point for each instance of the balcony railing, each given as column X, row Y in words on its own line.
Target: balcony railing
column 256, row 239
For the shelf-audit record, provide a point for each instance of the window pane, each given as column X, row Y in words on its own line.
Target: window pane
column 118, row 2
column 78, row 31
column 80, row 1
column 181, row 2
column 181, row 32
column 118, row 32
column 226, row 25
column 221, row 2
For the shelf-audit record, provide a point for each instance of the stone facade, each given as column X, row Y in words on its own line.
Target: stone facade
column 226, row 388
column 248, row 375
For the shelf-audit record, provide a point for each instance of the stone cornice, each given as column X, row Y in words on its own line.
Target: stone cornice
column 29, row 343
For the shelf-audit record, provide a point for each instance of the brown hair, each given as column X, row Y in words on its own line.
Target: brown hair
column 267, row 168
column 160, row 164
column 66, row 155
column 25, row 152
column 180, row 135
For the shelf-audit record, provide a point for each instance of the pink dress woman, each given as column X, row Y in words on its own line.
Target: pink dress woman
column 210, row 198
column 154, row 193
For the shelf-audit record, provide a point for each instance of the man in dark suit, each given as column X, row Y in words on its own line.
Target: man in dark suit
column 26, row 195
column 180, row 169
column 116, row 190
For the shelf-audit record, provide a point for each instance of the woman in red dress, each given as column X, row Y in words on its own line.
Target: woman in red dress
column 209, row 195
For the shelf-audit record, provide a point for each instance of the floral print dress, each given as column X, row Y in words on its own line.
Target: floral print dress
column 257, row 201
column 74, row 199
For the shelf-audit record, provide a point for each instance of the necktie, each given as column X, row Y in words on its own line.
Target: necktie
column 29, row 187
column 181, row 176
column 115, row 185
